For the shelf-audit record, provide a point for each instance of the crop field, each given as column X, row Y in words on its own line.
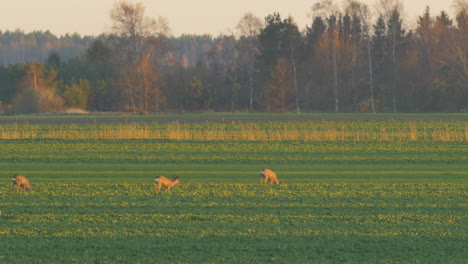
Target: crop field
column 359, row 191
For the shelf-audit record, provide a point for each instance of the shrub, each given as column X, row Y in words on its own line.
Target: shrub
column 37, row 101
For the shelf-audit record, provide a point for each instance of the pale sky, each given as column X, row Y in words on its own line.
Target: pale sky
column 91, row 17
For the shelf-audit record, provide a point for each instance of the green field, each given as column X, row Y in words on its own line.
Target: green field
column 389, row 200
column 235, row 223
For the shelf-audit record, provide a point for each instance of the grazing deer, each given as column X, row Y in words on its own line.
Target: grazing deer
column 21, row 181
column 163, row 181
column 266, row 175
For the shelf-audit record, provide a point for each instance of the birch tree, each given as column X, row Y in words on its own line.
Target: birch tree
column 225, row 61
column 362, row 12
column 279, row 95
column 391, row 10
column 326, row 8
column 139, row 41
column 133, row 28
column 249, row 28
column 292, row 43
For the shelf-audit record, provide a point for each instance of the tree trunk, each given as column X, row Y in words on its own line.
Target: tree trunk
column 132, row 100
column 35, row 79
column 335, row 73
column 371, row 78
column 394, row 84
column 293, row 63
column 157, row 105
column 146, row 96
column 179, row 111
column 251, row 95
column 354, row 55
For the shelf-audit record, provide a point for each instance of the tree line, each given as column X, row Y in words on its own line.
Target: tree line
column 17, row 47
column 345, row 61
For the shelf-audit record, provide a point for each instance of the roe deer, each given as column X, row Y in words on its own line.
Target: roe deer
column 163, row 181
column 21, row 181
column 266, row 175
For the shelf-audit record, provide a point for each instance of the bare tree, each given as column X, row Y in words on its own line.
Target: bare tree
column 361, row 11
column 140, row 39
column 293, row 41
column 280, row 93
column 133, row 28
column 326, row 8
column 461, row 9
column 249, row 27
column 127, row 82
column 141, row 85
column 391, row 10
column 151, row 90
column 225, row 59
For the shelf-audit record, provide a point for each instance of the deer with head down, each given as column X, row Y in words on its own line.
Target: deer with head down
column 268, row 175
column 21, row 181
column 163, row 181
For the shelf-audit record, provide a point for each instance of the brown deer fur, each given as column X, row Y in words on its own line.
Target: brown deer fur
column 21, row 181
column 163, row 181
column 268, row 175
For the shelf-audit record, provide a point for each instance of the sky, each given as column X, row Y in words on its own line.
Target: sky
column 215, row 17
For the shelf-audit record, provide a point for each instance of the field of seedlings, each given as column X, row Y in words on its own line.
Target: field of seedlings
column 362, row 191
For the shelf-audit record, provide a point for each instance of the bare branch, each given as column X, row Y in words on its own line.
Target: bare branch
column 249, row 25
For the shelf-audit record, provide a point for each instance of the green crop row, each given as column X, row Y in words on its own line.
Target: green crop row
column 227, row 152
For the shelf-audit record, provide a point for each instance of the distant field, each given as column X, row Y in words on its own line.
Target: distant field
column 354, row 191
column 224, row 117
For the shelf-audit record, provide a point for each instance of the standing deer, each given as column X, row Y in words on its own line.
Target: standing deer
column 163, row 181
column 270, row 175
column 21, row 181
